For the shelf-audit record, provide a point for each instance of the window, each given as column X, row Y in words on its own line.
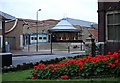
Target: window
column 45, row 38
column 32, row 38
column 40, row 38
column 35, row 38
column 117, row 18
column 113, row 26
column 110, row 19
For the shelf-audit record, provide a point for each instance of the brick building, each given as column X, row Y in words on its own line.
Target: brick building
column 17, row 31
column 109, row 25
column 21, row 32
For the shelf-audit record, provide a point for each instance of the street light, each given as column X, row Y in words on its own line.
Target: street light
column 3, row 34
column 27, row 37
column 93, row 46
column 51, row 41
column 37, row 30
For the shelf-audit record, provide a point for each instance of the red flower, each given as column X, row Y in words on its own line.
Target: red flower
column 109, row 53
column 54, row 69
column 84, row 60
column 36, row 67
column 111, row 65
column 118, row 51
column 70, row 61
column 115, row 55
column 41, row 66
column 50, row 66
column 97, row 61
column 104, row 59
column 116, row 61
column 33, row 78
column 62, row 64
column 64, row 77
column 80, row 64
column 89, row 57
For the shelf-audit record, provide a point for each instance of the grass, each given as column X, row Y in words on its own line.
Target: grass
column 17, row 75
column 22, row 77
column 0, row 76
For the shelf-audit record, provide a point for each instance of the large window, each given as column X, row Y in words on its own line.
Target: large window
column 113, row 26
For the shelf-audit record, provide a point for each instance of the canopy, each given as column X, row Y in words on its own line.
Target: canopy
column 64, row 26
column 6, row 16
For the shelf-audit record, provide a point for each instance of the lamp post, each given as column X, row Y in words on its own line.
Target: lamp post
column 3, row 34
column 37, row 30
column 93, row 47
column 27, row 35
column 51, row 41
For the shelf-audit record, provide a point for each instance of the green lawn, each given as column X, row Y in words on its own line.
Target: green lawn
column 16, row 76
column 0, row 76
column 22, row 77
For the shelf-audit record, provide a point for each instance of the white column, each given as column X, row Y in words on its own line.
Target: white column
column 21, row 41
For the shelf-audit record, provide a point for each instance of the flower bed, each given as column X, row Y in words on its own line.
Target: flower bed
column 98, row 66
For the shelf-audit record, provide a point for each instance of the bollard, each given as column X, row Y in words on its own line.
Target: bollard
column 6, row 59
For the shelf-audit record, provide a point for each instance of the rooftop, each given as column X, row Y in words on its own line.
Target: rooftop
column 6, row 16
column 80, row 22
column 64, row 24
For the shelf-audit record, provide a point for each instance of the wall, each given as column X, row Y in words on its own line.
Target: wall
column 0, row 35
column 0, row 24
column 103, row 8
column 13, row 37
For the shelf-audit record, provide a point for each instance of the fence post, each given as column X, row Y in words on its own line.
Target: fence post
column 93, row 47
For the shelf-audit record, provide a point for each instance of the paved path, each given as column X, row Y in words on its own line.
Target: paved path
column 26, row 53
column 40, row 52
column 24, row 56
column 37, row 58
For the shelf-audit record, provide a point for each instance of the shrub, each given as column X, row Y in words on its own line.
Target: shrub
column 85, row 67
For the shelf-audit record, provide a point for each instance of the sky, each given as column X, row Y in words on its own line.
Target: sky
column 51, row 9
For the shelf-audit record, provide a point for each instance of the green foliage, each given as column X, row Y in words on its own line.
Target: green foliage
column 85, row 67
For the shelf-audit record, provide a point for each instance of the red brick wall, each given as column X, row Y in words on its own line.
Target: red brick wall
column 104, row 7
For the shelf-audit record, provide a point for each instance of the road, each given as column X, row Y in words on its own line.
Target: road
column 36, row 58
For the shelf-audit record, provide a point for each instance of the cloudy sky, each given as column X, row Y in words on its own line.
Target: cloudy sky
column 51, row 9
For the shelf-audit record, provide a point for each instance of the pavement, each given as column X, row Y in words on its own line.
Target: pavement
column 25, row 56
column 37, row 58
column 16, row 53
column 44, row 49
